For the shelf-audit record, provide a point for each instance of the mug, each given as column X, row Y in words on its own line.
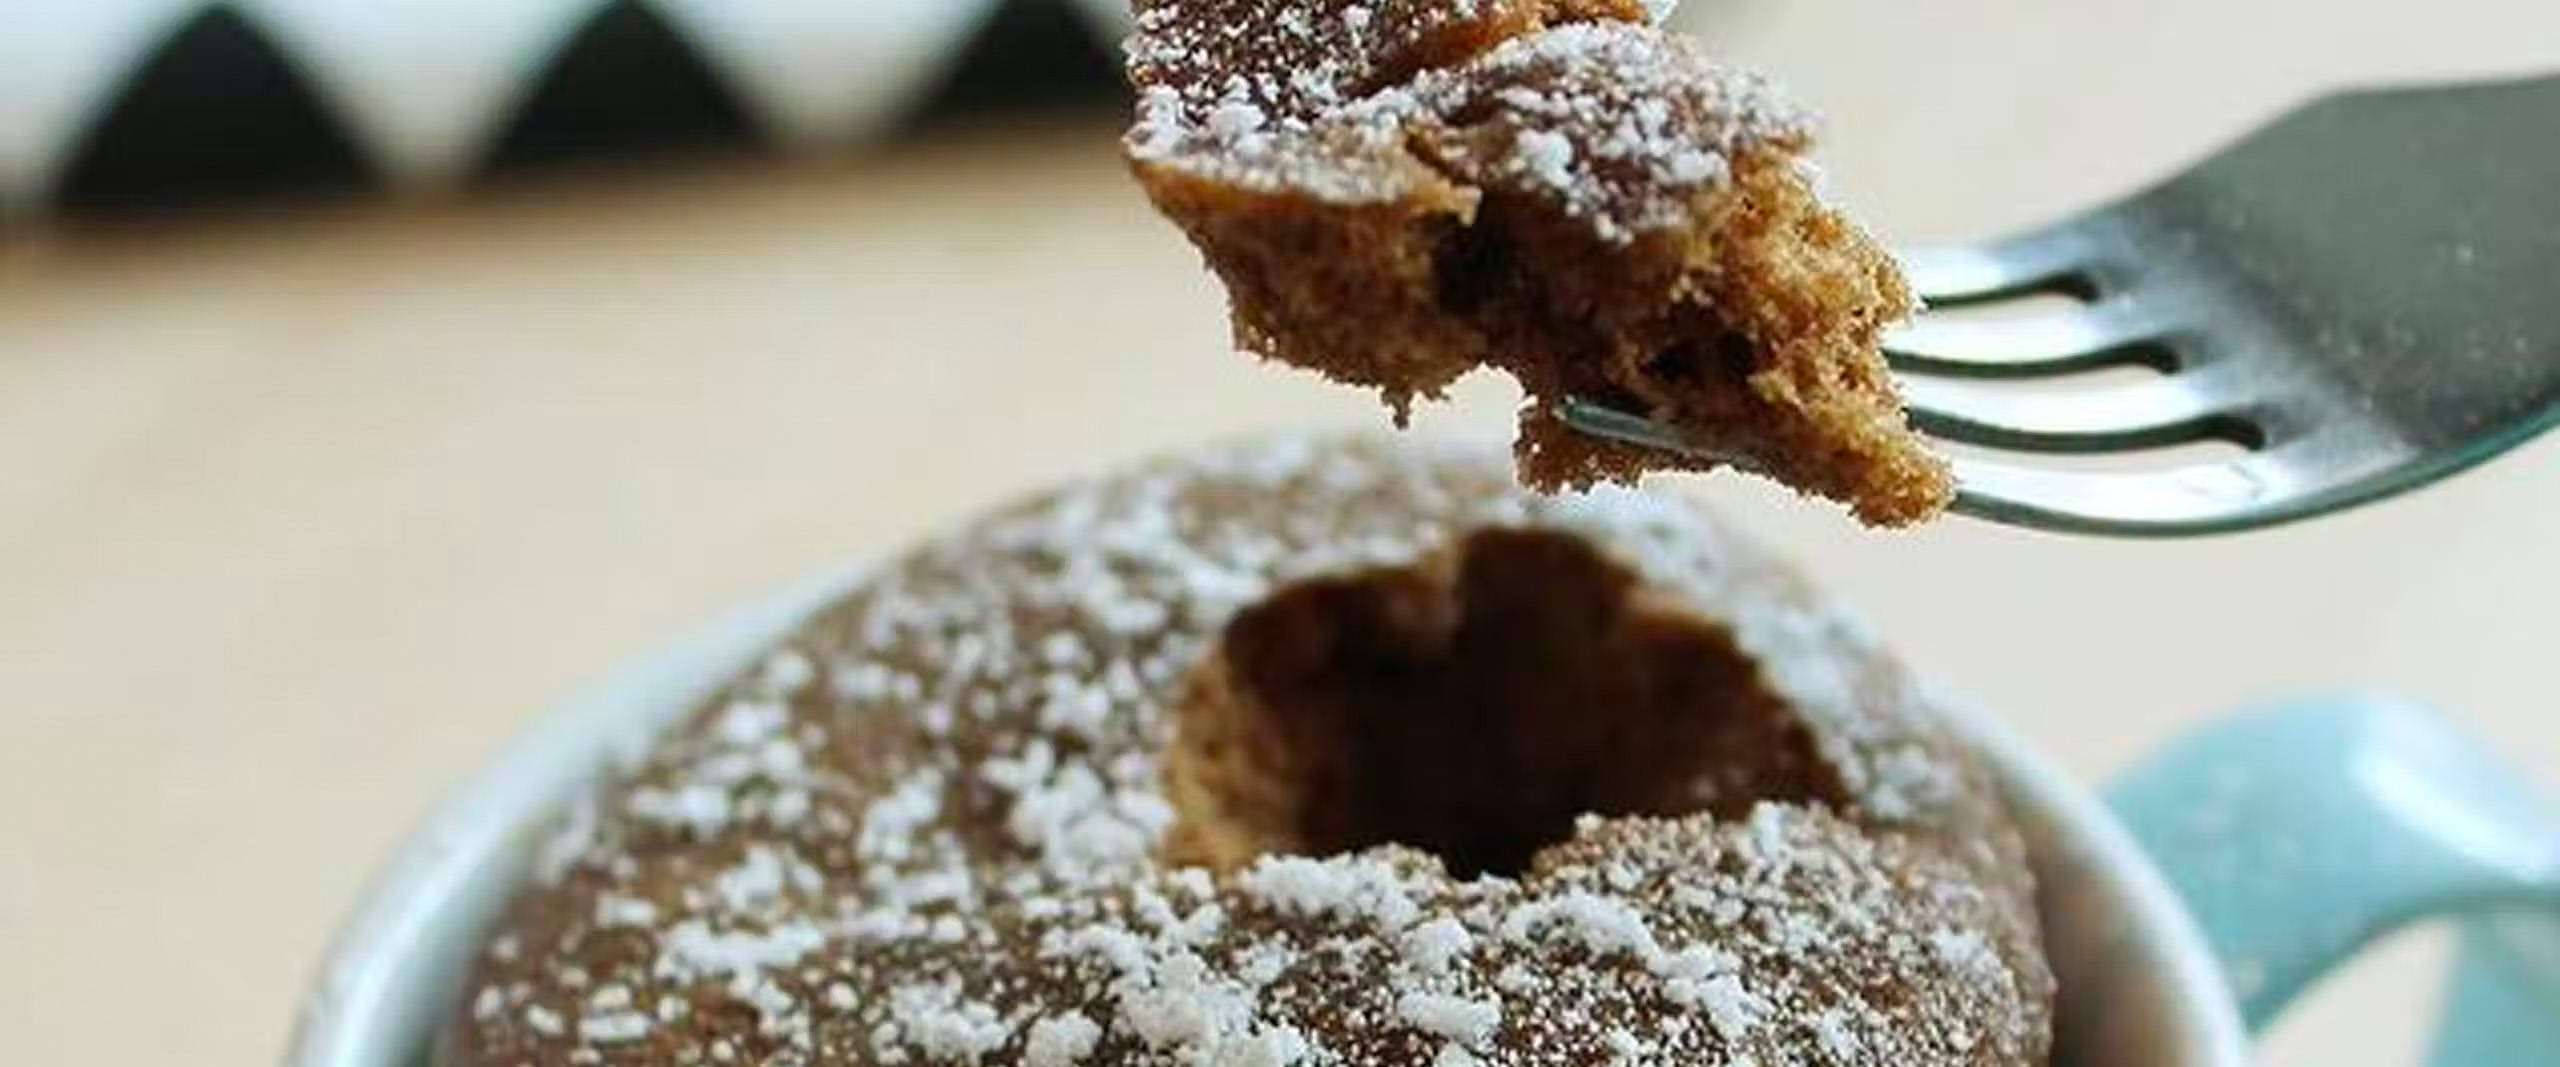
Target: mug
column 2205, row 891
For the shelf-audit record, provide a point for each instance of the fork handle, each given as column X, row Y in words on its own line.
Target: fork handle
column 2299, row 834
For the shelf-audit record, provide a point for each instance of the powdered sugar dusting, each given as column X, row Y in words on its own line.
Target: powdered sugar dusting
column 963, row 870
column 1615, row 121
column 1466, row 1021
column 937, row 1023
column 1433, row 947
column 1060, row 1041
column 1359, row 888
column 1620, row 126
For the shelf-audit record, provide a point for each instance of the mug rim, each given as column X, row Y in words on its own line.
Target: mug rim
column 389, row 976
column 2172, row 962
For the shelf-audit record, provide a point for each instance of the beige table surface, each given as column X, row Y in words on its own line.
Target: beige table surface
column 302, row 515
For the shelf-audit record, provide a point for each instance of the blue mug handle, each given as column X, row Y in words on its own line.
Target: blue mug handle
column 2299, row 833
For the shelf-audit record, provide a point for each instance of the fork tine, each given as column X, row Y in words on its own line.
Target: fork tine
column 2050, row 258
column 2183, row 500
column 2049, row 341
column 2254, row 490
column 1610, row 424
column 2164, row 411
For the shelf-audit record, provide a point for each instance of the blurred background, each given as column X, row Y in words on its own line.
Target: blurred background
column 374, row 373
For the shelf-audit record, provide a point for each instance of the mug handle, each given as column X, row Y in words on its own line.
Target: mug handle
column 2297, row 834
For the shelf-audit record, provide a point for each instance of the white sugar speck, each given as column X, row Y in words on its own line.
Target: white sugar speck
column 1467, row 1022
column 702, row 808
column 1730, row 1007
column 1060, row 1041
column 1434, row 945
column 613, row 910
column 937, row 1022
column 614, row 1026
column 1548, row 156
column 1831, row 1032
column 1235, row 119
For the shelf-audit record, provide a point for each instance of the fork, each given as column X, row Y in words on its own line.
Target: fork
column 2363, row 295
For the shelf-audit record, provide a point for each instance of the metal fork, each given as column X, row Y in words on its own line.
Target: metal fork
column 2364, row 294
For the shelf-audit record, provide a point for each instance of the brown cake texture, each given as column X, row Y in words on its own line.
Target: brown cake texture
column 1395, row 193
column 1298, row 753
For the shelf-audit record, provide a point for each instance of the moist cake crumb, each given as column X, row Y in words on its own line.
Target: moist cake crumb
column 1397, row 193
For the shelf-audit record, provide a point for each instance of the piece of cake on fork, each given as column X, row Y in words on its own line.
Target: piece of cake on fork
column 1396, row 193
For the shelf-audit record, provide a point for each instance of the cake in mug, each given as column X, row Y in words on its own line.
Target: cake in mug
column 1300, row 753
column 1395, row 192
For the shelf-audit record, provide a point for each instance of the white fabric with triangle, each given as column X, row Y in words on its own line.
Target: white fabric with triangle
column 423, row 88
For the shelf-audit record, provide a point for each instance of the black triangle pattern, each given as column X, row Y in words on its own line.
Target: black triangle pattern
column 214, row 112
column 624, row 83
column 1032, row 55
column 217, row 109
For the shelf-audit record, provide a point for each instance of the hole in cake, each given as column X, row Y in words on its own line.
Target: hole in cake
column 1471, row 267
column 1472, row 706
column 1719, row 356
column 1552, row 308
